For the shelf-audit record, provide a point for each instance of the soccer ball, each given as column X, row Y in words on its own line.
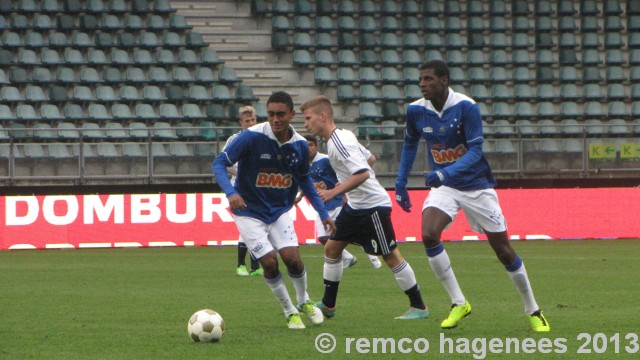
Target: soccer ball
column 205, row 326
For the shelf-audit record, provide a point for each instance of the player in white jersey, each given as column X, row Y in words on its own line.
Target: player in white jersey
column 246, row 119
column 460, row 179
column 365, row 219
column 273, row 164
column 325, row 178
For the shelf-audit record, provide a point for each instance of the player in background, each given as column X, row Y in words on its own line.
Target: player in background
column 460, row 179
column 365, row 219
column 325, row 178
column 273, row 163
column 246, row 119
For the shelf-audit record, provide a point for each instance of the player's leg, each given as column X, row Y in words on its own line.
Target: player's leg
column 518, row 274
column 485, row 215
column 255, row 233
column 375, row 262
column 438, row 211
column 241, row 268
column 332, row 274
column 434, row 221
column 286, row 242
column 256, row 270
column 348, row 259
column 378, row 229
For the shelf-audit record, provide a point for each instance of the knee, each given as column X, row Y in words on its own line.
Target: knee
column 269, row 263
column 430, row 238
column 506, row 255
column 332, row 250
column 295, row 266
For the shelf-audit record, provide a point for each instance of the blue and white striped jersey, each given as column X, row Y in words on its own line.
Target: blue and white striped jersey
column 269, row 173
column 449, row 135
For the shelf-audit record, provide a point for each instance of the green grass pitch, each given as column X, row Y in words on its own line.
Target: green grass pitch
column 135, row 303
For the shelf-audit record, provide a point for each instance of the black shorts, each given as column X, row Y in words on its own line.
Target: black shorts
column 370, row 228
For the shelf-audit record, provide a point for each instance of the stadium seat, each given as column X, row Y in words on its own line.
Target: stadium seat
column 523, row 92
column 618, row 127
column 617, row 109
column 592, row 92
column 324, row 57
column 566, row 7
column 521, row 74
column 368, row 110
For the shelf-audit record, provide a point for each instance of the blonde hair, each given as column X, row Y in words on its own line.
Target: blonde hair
column 319, row 104
column 246, row 109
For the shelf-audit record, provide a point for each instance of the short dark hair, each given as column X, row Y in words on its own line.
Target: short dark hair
column 282, row 98
column 312, row 139
column 439, row 67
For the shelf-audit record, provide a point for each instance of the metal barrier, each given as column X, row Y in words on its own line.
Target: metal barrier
column 161, row 156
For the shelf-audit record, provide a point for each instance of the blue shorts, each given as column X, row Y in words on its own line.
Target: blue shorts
column 370, row 228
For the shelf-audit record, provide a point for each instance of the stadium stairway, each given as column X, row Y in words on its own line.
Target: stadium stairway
column 244, row 44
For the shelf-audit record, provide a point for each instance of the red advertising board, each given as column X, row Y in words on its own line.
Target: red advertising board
column 201, row 219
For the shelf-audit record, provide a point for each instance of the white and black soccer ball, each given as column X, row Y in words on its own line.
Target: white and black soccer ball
column 205, row 326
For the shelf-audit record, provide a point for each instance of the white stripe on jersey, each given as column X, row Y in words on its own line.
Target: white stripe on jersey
column 336, row 140
column 452, row 99
column 382, row 239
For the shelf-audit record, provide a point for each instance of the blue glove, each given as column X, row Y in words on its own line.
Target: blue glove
column 402, row 197
column 437, row 178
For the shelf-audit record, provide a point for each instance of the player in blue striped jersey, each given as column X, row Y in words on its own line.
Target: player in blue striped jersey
column 460, row 179
column 365, row 219
column 273, row 162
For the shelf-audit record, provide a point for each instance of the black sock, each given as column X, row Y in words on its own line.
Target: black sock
column 330, row 293
column 242, row 253
column 415, row 298
column 255, row 264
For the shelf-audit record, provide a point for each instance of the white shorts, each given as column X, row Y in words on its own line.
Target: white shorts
column 480, row 206
column 320, row 230
column 263, row 238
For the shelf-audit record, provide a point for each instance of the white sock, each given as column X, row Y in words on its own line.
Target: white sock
column 372, row 258
column 300, row 284
column 279, row 290
column 332, row 269
column 405, row 277
column 441, row 266
column 520, row 280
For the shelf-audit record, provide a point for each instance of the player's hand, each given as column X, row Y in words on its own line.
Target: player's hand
column 437, row 178
column 236, row 202
column 326, row 195
column 402, row 197
column 329, row 226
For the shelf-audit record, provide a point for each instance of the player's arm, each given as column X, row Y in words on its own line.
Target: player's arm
column 371, row 159
column 231, row 170
column 409, row 152
column 309, row 190
column 351, row 183
column 407, row 157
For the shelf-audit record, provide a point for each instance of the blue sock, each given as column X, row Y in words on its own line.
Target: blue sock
column 517, row 263
column 434, row 251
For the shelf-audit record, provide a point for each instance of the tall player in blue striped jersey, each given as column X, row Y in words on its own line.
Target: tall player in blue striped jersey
column 246, row 119
column 460, row 179
column 325, row 178
column 273, row 162
column 365, row 219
